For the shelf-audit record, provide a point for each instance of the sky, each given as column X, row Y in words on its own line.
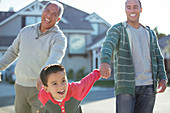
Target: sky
column 155, row 13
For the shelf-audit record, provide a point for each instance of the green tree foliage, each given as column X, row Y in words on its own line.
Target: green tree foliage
column 167, row 48
column 159, row 35
column 70, row 74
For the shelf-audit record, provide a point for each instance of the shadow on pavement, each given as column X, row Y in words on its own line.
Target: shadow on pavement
column 7, row 100
column 98, row 95
column 7, row 94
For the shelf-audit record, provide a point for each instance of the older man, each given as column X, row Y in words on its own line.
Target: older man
column 35, row 47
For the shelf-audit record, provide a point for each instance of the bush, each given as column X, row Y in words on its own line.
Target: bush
column 80, row 73
column 104, row 83
column 70, row 74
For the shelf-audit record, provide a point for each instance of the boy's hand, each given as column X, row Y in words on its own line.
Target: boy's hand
column 105, row 70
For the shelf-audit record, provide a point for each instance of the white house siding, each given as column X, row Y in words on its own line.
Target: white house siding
column 89, row 39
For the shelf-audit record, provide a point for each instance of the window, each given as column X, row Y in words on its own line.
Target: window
column 32, row 19
column 95, row 28
column 77, row 44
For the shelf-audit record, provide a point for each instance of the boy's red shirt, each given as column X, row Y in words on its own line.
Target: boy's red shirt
column 75, row 94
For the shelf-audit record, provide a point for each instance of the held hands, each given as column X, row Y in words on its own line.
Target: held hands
column 105, row 70
column 161, row 86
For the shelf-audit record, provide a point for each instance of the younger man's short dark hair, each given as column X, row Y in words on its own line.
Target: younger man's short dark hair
column 49, row 69
column 138, row 1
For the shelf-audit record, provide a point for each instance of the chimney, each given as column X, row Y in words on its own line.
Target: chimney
column 11, row 9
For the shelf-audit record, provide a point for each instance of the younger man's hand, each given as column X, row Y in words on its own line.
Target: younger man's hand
column 161, row 86
column 105, row 70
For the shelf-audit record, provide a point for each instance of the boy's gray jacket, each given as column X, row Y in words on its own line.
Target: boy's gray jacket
column 117, row 44
column 34, row 52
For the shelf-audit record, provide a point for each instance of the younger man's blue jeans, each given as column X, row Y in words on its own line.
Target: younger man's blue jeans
column 142, row 102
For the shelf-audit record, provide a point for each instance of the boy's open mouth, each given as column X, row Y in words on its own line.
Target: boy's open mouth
column 61, row 92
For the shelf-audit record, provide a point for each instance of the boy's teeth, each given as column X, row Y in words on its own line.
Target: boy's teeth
column 61, row 91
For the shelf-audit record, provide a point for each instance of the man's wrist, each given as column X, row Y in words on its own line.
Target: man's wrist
column 165, row 81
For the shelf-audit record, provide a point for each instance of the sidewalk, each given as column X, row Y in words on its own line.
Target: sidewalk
column 102, row 105
column 162, row 104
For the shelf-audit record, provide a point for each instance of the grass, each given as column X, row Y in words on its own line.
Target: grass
column 110, row 83
column 104, row 83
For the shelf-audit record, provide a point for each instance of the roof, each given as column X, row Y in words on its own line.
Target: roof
column 97, row 43
column 4, row 15
column 163, row 42
column 74, row 18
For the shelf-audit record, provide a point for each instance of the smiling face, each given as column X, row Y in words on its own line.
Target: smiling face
column 57, row 85
column 133, row 10
column 49, row 17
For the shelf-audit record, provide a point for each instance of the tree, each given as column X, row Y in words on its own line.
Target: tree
column 159, row 35
column 167, row 48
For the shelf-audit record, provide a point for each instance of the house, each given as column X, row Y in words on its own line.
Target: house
column 85, row 33
column 164, row 44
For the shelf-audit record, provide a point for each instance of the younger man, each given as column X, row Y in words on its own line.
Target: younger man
column 59, row 96
column 138, row 63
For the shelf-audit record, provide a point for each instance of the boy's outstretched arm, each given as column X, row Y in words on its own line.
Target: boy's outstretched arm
column 80, row 89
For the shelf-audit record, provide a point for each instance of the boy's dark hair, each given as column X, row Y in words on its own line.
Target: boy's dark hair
column 49, row 69
column 138, row 1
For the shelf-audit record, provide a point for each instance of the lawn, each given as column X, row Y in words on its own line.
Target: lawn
column 110, row 83
column 104, row 83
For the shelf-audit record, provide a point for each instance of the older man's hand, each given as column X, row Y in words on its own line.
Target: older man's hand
column 39, row 83
column 105, row 70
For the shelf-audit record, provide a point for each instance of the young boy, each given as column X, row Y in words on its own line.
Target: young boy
column 59, row 96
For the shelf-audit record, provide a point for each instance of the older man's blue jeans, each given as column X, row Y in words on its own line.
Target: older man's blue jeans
column 142, row 102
